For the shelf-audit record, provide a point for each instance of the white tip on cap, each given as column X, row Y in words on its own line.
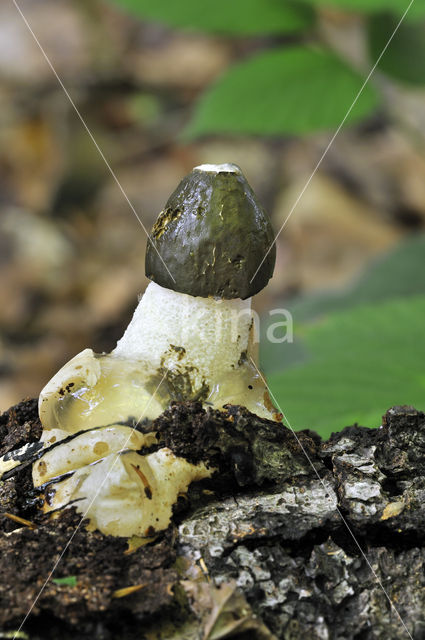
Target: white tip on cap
column 227, row 167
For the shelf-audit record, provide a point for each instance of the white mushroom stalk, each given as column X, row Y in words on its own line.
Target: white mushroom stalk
column 190, row 339
column 176, row 331
column 204, row 345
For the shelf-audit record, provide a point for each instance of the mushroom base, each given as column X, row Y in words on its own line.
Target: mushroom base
column 97, row 412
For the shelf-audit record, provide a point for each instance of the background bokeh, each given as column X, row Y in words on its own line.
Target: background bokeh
column 164, row 86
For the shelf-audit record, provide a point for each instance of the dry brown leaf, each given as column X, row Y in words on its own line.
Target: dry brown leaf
column 224, row 611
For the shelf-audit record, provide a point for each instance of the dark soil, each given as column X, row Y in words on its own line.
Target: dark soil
column 19, row 425
column 309, row 547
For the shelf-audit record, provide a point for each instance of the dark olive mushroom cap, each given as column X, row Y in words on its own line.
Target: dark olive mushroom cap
column 212, row 236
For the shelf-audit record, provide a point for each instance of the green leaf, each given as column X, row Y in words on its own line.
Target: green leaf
column 397, row 273
column 237, row 17
column 397, row 7
column 404, row 58
column 70, row 581
column 283, row 91
column 362, row 361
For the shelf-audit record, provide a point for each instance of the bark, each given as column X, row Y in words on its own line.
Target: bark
column 292, row 538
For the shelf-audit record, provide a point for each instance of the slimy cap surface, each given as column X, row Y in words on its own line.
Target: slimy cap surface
column 212, row 235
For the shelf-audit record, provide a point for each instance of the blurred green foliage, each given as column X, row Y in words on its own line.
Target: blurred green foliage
column 250, row 17
column 399, row 273
column 358, row 352
column 363, row 361
column 256, row 91
column 404, row 59
column 397, row 7
column 300, row 87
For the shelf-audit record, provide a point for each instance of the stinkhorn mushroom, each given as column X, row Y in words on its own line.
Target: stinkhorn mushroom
column 190, row 338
